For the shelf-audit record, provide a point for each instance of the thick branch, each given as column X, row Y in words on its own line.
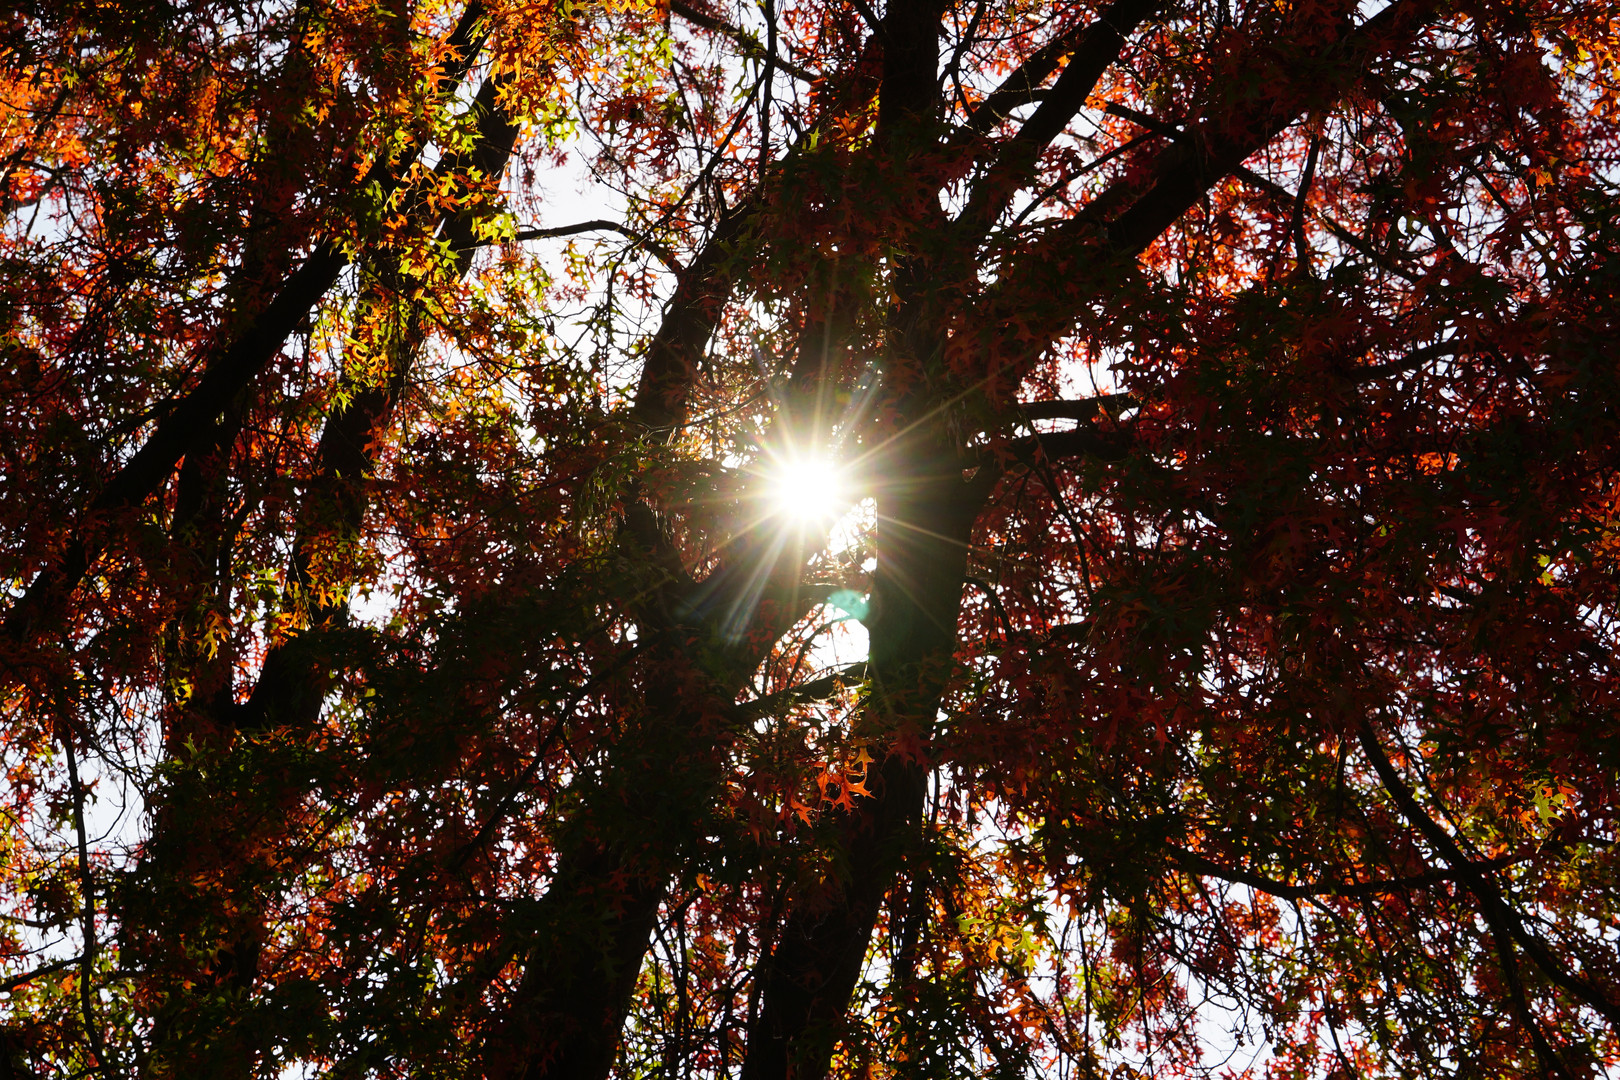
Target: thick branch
column 1096, row 49
column 1124, row 219
column 1214, row 150
column 1083, row 441
column 1483, row 886
column 1082, row 409
column 294, row 679
column 1024, row 83
column 12, row 983
column 689, row 321
column 226, row 374
column 1199, row 864
column 1272, row 188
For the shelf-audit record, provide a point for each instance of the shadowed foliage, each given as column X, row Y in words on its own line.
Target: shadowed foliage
column 809, row 538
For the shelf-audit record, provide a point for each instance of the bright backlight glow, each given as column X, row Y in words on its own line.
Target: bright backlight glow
column 809, row 489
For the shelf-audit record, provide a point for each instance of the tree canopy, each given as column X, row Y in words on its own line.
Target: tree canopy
column 856, row 538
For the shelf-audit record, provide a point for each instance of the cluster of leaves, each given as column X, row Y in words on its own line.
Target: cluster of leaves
column 411, row 665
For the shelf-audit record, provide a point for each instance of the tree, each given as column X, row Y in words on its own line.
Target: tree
column 1024, row 539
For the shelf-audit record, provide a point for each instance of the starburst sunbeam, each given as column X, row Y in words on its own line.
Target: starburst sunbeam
column 807, row 489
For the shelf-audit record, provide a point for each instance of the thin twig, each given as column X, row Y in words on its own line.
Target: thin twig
column 814, row 690
column 87, row 916
column 665, row 256
column 1195, row 863
column 750, row 44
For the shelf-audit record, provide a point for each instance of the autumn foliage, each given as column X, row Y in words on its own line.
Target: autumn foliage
column 810, row 538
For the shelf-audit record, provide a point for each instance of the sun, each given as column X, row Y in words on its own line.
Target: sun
column 808, row 489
